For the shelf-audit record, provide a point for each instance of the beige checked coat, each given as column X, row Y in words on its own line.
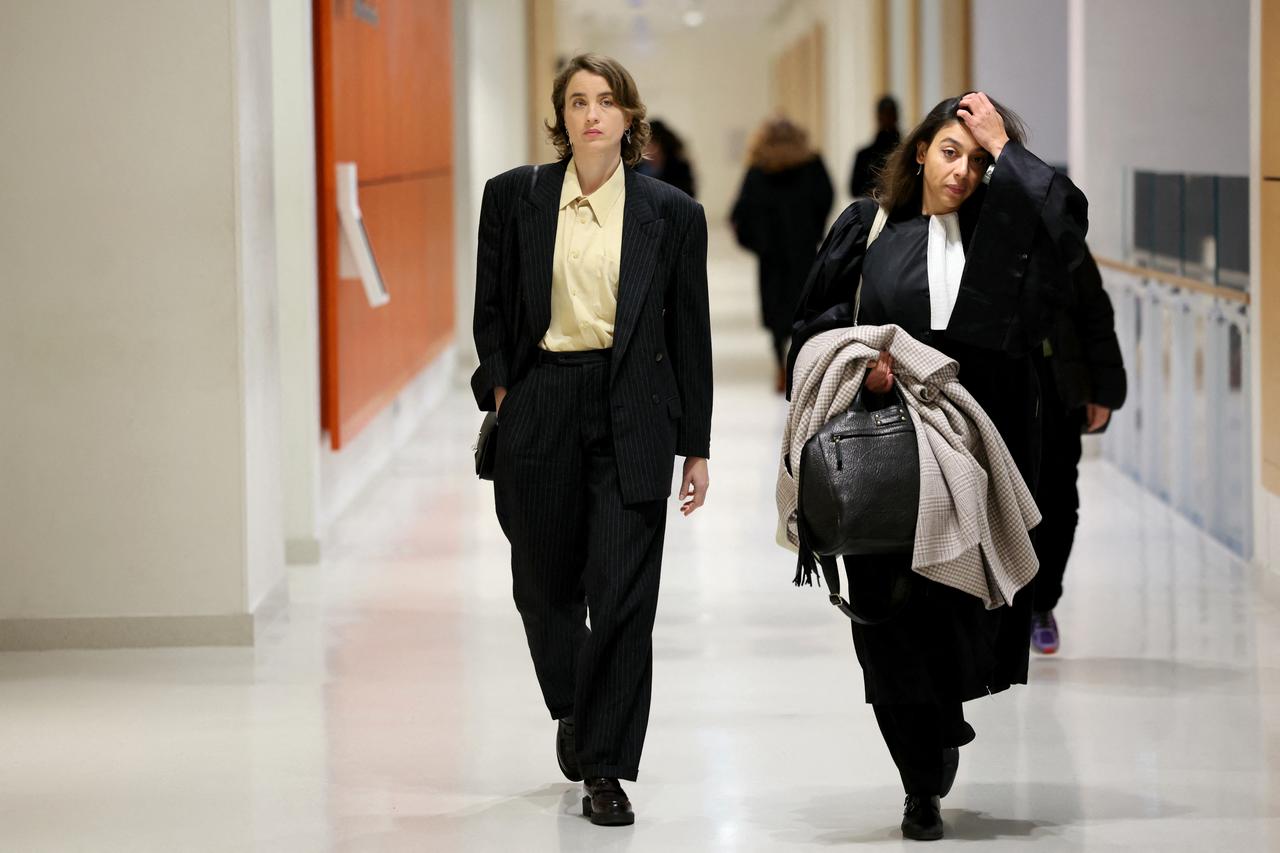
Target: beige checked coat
column 975, row 509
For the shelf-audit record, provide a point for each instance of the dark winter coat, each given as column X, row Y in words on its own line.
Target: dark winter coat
column 780, row 217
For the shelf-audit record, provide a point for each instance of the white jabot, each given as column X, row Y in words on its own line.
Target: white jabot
column 946, row 267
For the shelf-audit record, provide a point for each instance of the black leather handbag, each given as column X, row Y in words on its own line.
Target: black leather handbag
column 859, row 492
column 486, row 446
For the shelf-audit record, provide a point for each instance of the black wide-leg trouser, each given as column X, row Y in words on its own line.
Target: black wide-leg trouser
column 578, row 550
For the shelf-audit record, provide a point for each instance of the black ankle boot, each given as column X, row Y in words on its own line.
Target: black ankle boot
column 922, row 818
column 606, row 803
column 566, row 751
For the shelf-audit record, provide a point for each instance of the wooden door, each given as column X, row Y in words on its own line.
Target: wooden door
column 384, row 102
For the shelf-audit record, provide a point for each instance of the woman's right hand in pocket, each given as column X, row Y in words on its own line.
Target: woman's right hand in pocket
column 880, row 374
column 499, row 394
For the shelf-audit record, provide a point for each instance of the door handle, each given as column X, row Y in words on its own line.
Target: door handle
column 355, row 252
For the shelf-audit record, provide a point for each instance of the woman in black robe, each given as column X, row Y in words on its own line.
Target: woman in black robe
column 779, row 216
column 964, row 175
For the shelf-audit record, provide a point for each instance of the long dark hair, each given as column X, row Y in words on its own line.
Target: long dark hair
column 625, row 93
column 898, row 188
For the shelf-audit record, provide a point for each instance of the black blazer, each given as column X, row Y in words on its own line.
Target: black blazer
column 1024, row 241
column 660, row 389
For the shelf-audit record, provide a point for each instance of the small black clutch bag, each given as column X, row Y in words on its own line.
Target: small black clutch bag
column 487, row 446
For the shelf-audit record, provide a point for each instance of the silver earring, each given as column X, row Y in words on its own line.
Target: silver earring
column 921, row 169
column 626, row 134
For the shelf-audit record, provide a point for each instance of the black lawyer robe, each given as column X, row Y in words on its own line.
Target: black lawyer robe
column 1024, row 238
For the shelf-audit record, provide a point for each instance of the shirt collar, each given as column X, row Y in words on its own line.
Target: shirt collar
column 603, row 201
column 950, row 224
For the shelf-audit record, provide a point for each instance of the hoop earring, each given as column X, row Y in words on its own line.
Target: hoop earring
column 920, row 170
column 626, row 134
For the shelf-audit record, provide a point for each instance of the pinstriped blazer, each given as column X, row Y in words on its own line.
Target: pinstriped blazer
column 661, row 383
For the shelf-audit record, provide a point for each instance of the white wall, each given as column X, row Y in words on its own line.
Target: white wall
column 1019, row 57
column 899, row 48
column 850, row 94
column 138, row 323
column 932, row 87
column 1156, row 84
column 491, row 62
column 293, row 100
column 259, row 328
column 711, row 88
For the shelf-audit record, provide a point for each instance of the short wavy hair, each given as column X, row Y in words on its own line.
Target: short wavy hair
column 625, row 93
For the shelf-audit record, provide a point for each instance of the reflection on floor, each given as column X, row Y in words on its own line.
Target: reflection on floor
column 396, row 708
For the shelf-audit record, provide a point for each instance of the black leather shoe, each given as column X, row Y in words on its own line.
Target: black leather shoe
column 566, row 752
column 950, row 764
column 922, row 818
column 606, row 803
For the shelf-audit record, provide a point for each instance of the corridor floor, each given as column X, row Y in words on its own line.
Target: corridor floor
column 394, row 708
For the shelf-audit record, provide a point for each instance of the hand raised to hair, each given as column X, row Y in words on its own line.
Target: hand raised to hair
column 980, row 117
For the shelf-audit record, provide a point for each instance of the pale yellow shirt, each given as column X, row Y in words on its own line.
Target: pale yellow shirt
column 584, row 272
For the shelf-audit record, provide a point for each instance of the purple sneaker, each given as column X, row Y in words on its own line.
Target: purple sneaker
column 1044, row 632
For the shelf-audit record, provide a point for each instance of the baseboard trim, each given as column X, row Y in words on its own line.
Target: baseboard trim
column 125, row 632
column 302, row 552
column 144, row 632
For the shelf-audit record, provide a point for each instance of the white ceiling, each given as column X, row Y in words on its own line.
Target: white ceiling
column 655, row 16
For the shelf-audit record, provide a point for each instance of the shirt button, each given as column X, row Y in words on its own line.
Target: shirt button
column 575, row 256
column 658, row 357
column 583, row 217
column 657, row 399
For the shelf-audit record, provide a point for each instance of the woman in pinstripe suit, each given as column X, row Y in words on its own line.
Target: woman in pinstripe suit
column 592, row 329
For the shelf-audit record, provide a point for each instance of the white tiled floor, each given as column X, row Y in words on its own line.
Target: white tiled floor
column 396, row 708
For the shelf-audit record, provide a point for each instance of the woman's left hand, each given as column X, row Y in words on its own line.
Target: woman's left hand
column 1096, row 417
column 980, row 116
column 693, row 488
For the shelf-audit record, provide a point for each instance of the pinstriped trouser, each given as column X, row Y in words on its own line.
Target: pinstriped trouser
column 576, row 548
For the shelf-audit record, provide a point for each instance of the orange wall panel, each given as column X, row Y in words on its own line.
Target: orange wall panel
column 410, row 225
column 393, row 84
column 384, row 102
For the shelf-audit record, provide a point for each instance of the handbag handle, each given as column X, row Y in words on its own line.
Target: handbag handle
column 877, row 225
column 859, row 404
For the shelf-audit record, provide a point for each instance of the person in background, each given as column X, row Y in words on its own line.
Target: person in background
column 1082, row 381
column 780, row 216
column 664, row 159
column 870, row 160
